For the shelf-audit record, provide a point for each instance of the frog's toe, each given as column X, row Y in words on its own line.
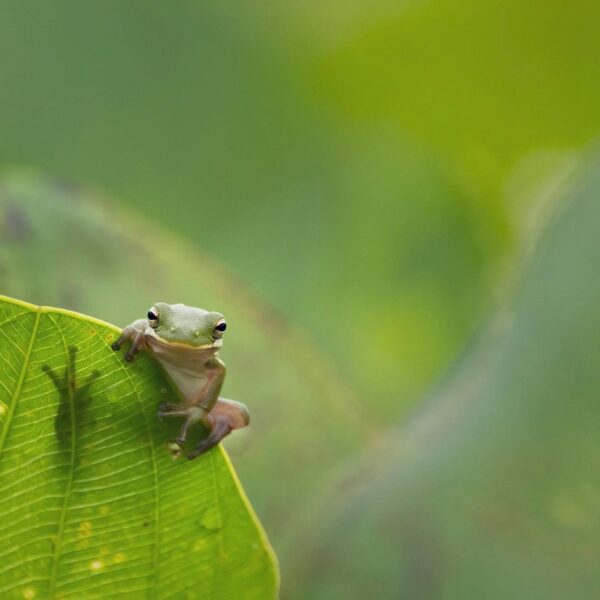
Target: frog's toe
column 118, row 343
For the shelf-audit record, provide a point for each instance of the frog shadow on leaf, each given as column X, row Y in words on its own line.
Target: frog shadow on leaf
column 65, row 424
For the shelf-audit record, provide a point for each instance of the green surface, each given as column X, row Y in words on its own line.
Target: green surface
column 492, row 489
column 94, row 506
column 374, row 170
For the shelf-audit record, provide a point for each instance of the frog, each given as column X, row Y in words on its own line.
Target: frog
column 185, row 341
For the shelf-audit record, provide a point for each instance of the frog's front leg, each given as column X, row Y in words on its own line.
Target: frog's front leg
column 166, row 409
column 134, row 332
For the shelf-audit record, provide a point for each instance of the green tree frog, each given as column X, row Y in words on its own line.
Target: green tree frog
column 185, row 341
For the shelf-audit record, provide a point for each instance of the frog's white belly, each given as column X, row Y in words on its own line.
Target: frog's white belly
column 190, row 384
column 184, row 366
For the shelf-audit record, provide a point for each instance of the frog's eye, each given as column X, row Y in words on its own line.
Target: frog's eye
column 220, row 327
column 153, row 317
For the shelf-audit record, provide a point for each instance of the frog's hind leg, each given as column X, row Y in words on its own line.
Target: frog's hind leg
column 225, row 416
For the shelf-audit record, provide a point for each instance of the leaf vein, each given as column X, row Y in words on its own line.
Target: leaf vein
column 20, row 381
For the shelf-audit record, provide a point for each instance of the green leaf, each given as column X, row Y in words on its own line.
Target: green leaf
column 492, row 490
column 93, row 504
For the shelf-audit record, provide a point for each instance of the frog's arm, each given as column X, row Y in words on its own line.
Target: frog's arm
column 208, row 396
column 134, row 332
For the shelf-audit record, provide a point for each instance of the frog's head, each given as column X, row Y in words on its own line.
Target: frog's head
column 186, row 325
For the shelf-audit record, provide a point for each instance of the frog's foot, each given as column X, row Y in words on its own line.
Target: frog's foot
column 225, row 416
column 136, row 346
column 176, row 410
column 126, row 335
column 137, row 341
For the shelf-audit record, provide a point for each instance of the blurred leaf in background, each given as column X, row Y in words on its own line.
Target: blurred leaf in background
column 375, row 169
column 492, row 489
column 313, row 149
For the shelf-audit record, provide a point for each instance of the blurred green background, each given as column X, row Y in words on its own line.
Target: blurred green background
column 373, row 175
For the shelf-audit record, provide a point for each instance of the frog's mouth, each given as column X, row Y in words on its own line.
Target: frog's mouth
column 214, row 345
